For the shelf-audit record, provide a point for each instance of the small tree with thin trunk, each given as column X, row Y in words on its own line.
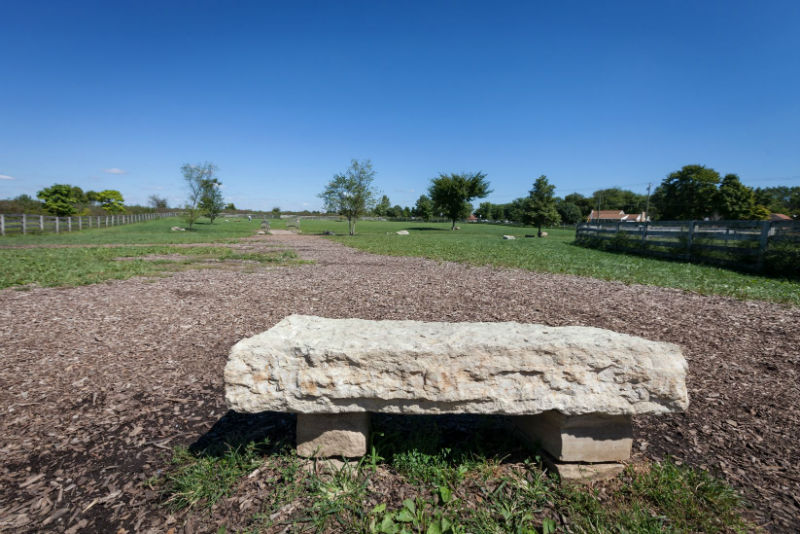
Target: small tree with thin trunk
column 211, row 201
column 451, row 194
column 351, row 194
column 540, row 206
column 195, row 176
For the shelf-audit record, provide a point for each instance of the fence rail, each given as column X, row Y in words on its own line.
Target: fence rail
column 753, row 245
column 30, row 224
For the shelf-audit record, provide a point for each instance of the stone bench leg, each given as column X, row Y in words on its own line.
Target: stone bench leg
column 582, row 447
column 338, row 434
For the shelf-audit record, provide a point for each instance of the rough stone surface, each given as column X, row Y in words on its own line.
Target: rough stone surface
column 580, row 438
column 326, row 435
column 308, row 365
column 585, row 472
column 509, row 237
column 402, row 232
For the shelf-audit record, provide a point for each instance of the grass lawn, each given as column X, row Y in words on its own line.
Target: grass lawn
column 482, row 244
column 90, row 260
column 48, row 267
column 155, row 232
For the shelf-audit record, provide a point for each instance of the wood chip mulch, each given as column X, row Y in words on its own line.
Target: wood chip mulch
column 98, row 383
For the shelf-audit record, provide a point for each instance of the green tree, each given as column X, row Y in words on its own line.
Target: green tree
column 760, row 213
column 156, row 202
column 276, row 212
column 423, row 208
column 498, row 212
column 230, row 206
column 395, row 211
column 735, row 201
column 689, row 193
column 111, row 201
column 351, row 193
column 569, row 212
column 484, row 211
column 586, row 204
column 383, row 207
column 615, row 198
column 540, row 208
column 61, row 199
column 451, row 194
column 515, row 210
column 794, row 202
column 779, row 199
column 211, row 201
column 195, row 176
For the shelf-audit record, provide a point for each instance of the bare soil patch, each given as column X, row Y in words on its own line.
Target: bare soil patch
column 99, row 382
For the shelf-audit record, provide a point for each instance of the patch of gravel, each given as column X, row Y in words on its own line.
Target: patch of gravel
column 99, row 382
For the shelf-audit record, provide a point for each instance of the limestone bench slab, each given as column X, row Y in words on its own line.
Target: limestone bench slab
column 573, row 389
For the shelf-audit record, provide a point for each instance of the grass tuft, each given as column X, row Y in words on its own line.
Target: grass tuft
column 203, row 480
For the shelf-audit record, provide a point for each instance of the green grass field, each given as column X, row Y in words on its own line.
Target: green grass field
column 482, row 244
column 54, row 267
column 153, row 232
column 90, row 259
column 477, row 244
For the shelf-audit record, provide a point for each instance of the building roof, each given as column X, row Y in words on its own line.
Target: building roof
column 779, row 217
column 607, row 214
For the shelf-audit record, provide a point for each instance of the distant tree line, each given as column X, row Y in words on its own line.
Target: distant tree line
column 693, row 192
column 449, row 196
column 65, row 200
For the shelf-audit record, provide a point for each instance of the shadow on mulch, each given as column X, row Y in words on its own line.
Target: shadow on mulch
column 459, row 436
column 236, row 430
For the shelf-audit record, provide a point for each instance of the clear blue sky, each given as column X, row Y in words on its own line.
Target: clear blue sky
column 281, row 95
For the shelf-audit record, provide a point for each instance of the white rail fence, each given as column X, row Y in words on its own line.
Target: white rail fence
column 751, row 245
column 27, row 224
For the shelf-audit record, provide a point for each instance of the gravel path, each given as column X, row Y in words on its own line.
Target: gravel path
column 97, row 383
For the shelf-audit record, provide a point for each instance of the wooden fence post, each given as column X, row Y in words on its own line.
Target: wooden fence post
column 57, row 224
column 689, row 240
column 41, row 223
column 763, row 241
column 69, row 224
column 2, row 224
column 80, row 223
column 24, row 225
column 106, row 221
column 644, row 235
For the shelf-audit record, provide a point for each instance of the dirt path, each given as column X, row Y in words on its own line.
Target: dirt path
column 97, row 383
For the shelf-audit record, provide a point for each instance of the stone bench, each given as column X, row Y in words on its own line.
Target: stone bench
column 572, row 390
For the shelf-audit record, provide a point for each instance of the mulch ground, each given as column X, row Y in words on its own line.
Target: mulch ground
column 98, row 383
